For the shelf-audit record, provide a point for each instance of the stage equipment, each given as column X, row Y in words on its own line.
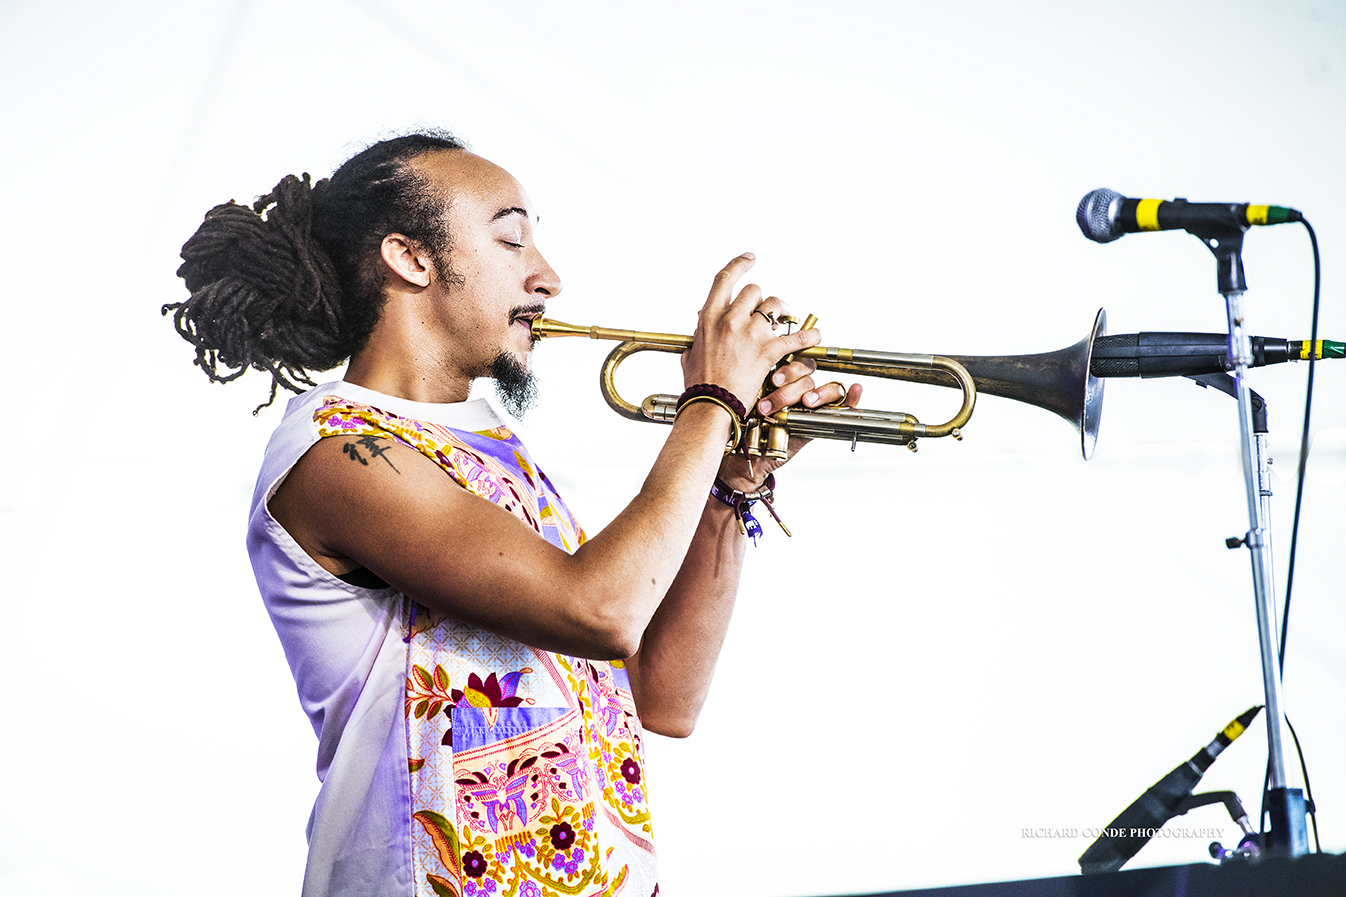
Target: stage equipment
column 1102, row 216
column 1059, row 382
column 1189, row 354
column 1170, row 796
column 1320, row 873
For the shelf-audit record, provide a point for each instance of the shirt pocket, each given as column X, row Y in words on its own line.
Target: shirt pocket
column 523, row 797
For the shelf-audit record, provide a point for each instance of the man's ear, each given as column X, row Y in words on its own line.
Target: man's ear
column 406, row 260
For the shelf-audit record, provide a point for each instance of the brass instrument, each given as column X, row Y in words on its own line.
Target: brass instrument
column 1058, row 381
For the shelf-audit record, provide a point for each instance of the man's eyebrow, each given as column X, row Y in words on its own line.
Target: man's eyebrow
column 512, row 210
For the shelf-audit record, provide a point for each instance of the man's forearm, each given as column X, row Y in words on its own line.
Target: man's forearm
column 672, row 671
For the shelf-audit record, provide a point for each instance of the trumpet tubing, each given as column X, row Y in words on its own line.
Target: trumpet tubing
column 1059, row 382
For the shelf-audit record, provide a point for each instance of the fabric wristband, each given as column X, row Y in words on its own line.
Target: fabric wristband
column 709, row 392
column 742, row 503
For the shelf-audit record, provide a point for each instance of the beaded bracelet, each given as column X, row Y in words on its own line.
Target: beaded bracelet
column 709, row 392
column 742, row 503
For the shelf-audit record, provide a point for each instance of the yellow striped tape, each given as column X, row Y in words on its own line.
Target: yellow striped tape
column 1147, row 214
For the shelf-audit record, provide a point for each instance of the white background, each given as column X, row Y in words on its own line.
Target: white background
column 954, row 647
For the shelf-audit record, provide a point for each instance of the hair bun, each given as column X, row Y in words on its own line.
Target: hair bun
column 261, row 285
column 293, row 283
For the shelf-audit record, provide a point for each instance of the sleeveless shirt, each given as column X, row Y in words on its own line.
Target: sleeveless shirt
column 452, row 760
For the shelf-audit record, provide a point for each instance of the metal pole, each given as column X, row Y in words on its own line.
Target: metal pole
column 1289, row 833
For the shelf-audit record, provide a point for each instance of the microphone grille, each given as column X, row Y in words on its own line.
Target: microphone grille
column 1096, row 214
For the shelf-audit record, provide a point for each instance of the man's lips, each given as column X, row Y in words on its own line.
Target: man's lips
column 526, row 315
column 524, row 318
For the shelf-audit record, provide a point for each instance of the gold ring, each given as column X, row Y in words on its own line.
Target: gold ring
column 769, row 315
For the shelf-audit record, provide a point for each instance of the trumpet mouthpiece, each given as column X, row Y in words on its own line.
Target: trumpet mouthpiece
column 544, row 327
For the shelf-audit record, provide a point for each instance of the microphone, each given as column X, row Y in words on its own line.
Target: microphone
column 1104, row 215
column 1187, row 354
column 1134, row 827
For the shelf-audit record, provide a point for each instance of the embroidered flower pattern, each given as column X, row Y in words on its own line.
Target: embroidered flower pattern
column 427, row 693
column 474, row 864
column 562, row 835
column 494, row 692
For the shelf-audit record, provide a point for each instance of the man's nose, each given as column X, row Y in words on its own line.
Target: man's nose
column 545, row 281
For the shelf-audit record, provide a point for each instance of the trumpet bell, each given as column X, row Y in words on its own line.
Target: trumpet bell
column 1059, row 382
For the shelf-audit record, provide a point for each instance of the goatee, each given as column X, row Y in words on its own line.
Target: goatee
column 515, row 385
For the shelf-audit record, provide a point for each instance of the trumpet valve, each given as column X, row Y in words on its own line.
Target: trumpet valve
column 752, row 440
column 777, row 441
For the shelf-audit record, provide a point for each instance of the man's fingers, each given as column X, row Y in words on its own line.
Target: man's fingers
column 795, row 370
column 824, row 395
column 832, row 392
column 798, row 341
column 804, row 391
column 748, row 298
column 769, row 311
column 797, row 389
column 722, row 288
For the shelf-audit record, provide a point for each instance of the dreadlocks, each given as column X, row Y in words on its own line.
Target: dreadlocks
column 292, row 284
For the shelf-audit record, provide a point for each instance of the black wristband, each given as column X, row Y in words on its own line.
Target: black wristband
column 710, row 390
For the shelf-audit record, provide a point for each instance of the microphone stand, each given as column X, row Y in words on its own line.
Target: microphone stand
column 1288, row 835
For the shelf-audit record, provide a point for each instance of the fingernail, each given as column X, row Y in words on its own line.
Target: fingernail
column 764, row 407
column 778, row 378
column 811, row 396
column 749, row 256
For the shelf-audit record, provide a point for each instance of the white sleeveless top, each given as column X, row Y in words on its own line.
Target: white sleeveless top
column 450, row 757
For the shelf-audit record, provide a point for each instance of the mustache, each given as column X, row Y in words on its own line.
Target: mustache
column 527, row 312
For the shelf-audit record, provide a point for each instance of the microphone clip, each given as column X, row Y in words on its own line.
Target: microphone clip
column 1225, row 243
column 1250, row 845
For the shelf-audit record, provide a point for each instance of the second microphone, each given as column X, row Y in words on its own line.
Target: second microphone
column 1181, row 354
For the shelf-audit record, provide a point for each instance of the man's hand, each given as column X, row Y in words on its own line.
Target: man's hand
column 736, row 343
column 795, row 384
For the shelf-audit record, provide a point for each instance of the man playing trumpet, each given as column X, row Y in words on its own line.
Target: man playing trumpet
column 477, row 671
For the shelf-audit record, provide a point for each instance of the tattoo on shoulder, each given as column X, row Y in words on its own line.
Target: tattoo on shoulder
column 371, row 444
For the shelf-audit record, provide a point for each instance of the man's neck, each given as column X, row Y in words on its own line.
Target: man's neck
column 408, row 372
column 410, row 355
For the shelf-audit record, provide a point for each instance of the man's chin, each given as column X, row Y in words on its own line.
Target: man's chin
column 515, row 384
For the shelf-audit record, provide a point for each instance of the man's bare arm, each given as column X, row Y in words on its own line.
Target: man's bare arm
column 672, row 671
column 399, row 515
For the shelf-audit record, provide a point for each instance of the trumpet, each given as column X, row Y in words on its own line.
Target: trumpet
column 1058, row 381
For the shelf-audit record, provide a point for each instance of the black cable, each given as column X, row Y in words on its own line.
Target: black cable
column 1294, row 540
column 1308, row 789
column 1303, row 443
